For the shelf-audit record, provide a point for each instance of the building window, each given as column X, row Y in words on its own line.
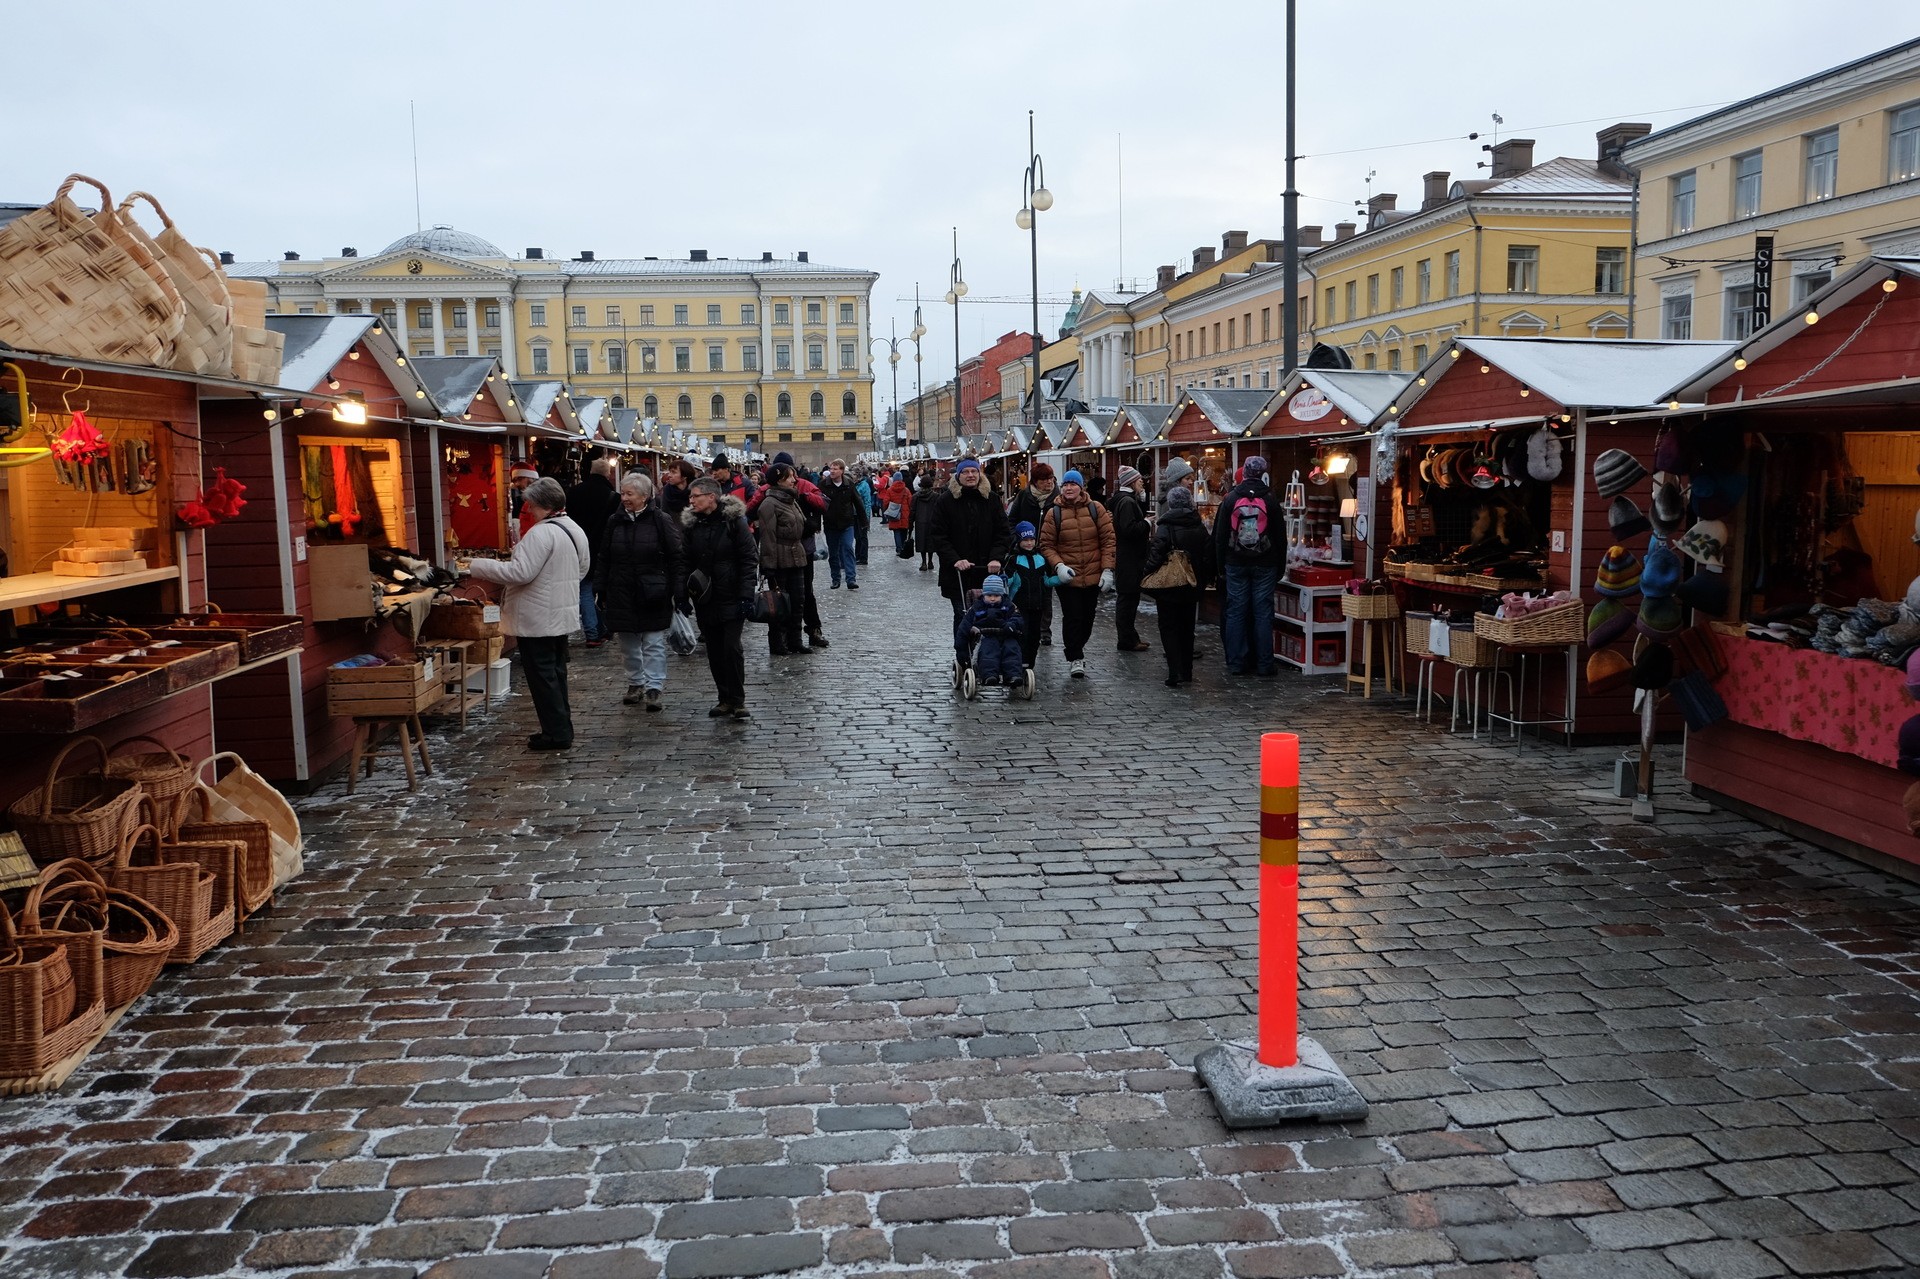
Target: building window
column 579, row 317
column 1739, row 312
column 424, row 317
column 580, row 364
column 1823, row 164
column 616, row 359
column 848, row 405
column 1367, row 361
column 649, row 357
column 685, row 408
column 305, row 309
column 683, row 359
column 459, row 350
column 1746, row 184
column 537, row 314
column 1420, row 357
column 423, row 351
column 613, row 317
column 1331, row 314
column 846, row 313
column 1523, row 268
column 646, row 315
column 1676, row 317
column 719, row 438
column 680, row 313
column 785, row 437
column 782, row 357
column 817, row 404
column 716, row 359
column 1397, row 287
column 747, row 313
column 1423, row 280
column 818, row 436
column 540, row 360
column 459, row 317
column 1265, row 374
column 713, row 313
column 618, row 402
column 717, row 406
column 785, row 407
column 1353, row 299
column 750, row 357
column 1680, row 203
column 1903, row 144
column 1808, row 283
column 1266, row 324
column 1230, row 342
column 846, row 355
column 816, row 356
column 651, row 406
column 1373, row 294
column 752, row 406
column 1393, row 359
column 781, row 315
column 1453, row 274
column 813, row 313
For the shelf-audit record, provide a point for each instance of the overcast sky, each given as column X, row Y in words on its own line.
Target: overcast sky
column 861, row 133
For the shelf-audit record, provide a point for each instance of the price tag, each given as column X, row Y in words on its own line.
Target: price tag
column 490, row 613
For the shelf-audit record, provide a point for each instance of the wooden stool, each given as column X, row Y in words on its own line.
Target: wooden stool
column 1389, row 629
column 375, row 736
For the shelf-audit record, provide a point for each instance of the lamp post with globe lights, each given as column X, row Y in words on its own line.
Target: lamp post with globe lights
column 1035, row 199
column 957, row 289
column 892, row 343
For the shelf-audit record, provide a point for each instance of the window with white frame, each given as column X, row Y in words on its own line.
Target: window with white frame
column 816, row 356
column 650, row 406
column 1676, row 317
column 387, row 314
column 649, row 357
column 305, row 308
column 490, row 317
column 748, row 313
column 817, row 405
column 1903, row 143
column 1397, row 287
column 1393, row 359
column 537, row 314
column 680, row 313
column 616, row 358
column 750, row 357
column 716, row 358
column 1453, row 273
column 646, row 315
column 785, row 405
column 683, row 359
column 751, row 409
column 423, row 316
column 1523, row 268
column 1808, row 283
column 1353, row 299
column 1680, row 203
column 1823, row 164
column 846, row 313
column 1373, row 294
column 540, row 360
column 813, row 313
column 713, row 313
column 1746, row 184
column 579, row 317
column 846, row 355
column 781, row 313
column 684, row 408
column 782, row 357
column 459, row 317
column 1739, row 311
column 1423, row 280
column 581, row 362
column 1609, row 270
column 1420, row 356
column 717, row 407
column 613, row 317
column 490, row 349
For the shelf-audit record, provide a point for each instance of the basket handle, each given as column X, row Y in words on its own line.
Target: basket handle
column 178, row 758
column 123, row 856
column 213, row 258
column 197, row 791
column 126, row 206
column 51, row 877
column 215, row 758
column 53, row 769
column 106, row 196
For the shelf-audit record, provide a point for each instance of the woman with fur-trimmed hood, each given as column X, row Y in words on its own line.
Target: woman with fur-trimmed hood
column 968, row 532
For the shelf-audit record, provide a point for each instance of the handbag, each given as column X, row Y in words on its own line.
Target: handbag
column 1175, row 573
column 682, row 637
column 891, row 513
column 770, row 605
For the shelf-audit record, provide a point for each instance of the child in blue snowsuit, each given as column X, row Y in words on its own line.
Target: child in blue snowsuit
column 1029, row 584
column 995, row 622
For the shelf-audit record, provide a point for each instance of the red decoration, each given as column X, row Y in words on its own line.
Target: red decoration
column 223, row 496
column 195, row 514
column 80, row 442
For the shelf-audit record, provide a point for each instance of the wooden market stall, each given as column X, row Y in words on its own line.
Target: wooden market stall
column 460, row 457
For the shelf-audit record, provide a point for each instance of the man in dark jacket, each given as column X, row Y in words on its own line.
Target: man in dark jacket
column 1249, row 543
column 1132, row 536
column 640, row 571
column 732, row 483
column 674, row 478
column 845, row 514
column 723, row 567
column 1029, row 505
column 969, row 531
column 590, row 503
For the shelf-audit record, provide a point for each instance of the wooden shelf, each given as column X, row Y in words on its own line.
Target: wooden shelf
column 243, row 668
column 51, row 588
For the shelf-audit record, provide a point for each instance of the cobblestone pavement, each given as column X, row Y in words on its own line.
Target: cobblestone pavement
column 884, row 984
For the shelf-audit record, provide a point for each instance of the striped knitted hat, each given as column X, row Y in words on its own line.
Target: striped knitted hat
column 1619, row 573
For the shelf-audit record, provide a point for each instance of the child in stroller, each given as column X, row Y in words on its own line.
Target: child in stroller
column 987, row 642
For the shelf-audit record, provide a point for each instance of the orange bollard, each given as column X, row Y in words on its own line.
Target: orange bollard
column 1279, row 992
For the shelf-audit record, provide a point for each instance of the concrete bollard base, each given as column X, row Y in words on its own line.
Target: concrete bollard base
column 1251, row 1095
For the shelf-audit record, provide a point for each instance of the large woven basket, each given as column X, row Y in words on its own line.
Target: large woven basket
column 205, row 341
column 30, row 1041
column 136, row 937
column 1417, row 638
column 214, row 916
column 84, row 816
column 1561, row 624
column 69, row 284
column 253, row 877
column 1369, row 608
column 36, row 981
column 164, row 775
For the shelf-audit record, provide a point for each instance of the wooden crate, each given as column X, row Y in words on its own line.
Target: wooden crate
column 392, row 691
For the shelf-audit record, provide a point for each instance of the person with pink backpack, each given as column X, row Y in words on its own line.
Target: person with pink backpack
column 1249, row 545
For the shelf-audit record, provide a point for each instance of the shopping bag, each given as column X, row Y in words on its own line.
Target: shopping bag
column 682, row 636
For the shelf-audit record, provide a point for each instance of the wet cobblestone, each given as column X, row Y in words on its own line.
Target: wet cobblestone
column 882, row 983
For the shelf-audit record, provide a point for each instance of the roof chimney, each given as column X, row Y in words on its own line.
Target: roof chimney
column 1613, row 140
column 586, row 255
column 535, row 255
column 1342, row 231
column 1309, row 237
column 349, row 253
column 1232, row 242
column 803, row 255
column 1434, row 189
column 1165, row 275
column 291, row 256
column 226, row 257
column 1512, row 158
column 696, row 255
column 1376, row 205
column 766, row 255
column 1203, row 257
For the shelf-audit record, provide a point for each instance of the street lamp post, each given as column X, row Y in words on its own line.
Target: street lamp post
column 1035, row 199
column 957, row 289
column 893, row 358
column 919, row 400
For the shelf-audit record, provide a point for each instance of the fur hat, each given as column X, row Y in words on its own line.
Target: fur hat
column 1625, row 519
column 1039, row 471
column 1607, row 670
column 1073, row 477
column 1661, row 573
column 1669, row 504
column 1609, row 620
column 1653, row 668
column 994, row 585
column 1616, row 471
column 1128, row 477
column 1544, row 455
column 1706, row 592
column 1024, row 530
column 1667, row 455
column 1706, row 543
column 1660, row 618
column 1619, row 573
column 1177, row 470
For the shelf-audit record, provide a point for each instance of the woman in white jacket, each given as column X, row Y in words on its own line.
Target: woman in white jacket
column 541, row 605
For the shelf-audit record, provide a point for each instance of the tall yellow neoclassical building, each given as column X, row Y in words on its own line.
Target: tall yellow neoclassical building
column 747, row 352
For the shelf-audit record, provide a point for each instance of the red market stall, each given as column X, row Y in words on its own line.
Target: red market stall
column 1206, row 428
column 460, row 459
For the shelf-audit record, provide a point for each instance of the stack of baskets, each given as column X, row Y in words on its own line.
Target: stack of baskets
column 84, row 816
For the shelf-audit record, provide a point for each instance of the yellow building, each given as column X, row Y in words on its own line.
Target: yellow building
column 754, row 352
column 1828, row 167
column 1532, row 250
column 1228, row 333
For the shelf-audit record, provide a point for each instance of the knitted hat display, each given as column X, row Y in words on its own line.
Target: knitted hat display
column 1616, row 471
column 1661, row 618
column 1910, row 746
column 1716, row 493
column 1607, row 670
column 1705, row 592
column 1544, row 455
column 1625, row 519
column 1609, row 620
column 1653, row 667
column 994, row 585
column 1041, row 471
column 1619, row 573
column 1706, row 543
column 1667, row 454
column 1662, row 571
column 1669, row 505
column 1023, row 530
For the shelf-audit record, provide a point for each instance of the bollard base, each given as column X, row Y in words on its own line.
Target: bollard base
column 1251, row 1095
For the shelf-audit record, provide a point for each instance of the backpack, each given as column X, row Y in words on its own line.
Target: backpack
column 1249, row 525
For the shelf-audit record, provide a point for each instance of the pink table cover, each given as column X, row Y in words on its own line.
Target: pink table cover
column 1848, row 704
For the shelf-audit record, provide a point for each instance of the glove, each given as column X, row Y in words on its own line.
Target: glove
column 1065, row 573
column 1106, row 579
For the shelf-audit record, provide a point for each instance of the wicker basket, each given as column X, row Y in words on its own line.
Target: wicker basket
column 213, row 916
column 31, row 1041
column 1561, row 624
column 1421, row 572
column 253, row 879
column 1369, row 608
column 164, row 775
column 1417, row 635
column 136, row 936
column 1471, row 649
column 1394, row 568
column 205, row 341
column 84, row 816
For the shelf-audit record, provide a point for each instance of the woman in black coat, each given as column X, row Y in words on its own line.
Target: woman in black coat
column 1180, row 529
column 638, row 572
column 722, row 569
column 925, row 498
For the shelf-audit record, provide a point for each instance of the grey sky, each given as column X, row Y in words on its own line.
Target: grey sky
column 858, row 132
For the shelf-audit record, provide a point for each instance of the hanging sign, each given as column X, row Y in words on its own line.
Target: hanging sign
column 1309, row 405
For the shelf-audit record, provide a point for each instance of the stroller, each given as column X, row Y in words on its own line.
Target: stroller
column 966, row 651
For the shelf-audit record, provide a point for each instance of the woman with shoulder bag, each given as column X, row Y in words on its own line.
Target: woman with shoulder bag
column 783, row 556
column 1178, row 567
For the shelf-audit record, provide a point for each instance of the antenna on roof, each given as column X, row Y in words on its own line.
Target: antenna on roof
column 1120, row 215
column 413, row 127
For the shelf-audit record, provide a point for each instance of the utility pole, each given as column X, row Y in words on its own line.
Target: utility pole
column 1290, row 230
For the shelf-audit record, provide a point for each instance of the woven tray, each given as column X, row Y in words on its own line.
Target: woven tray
column 1421, row 572
column 1562, row 624
column 1369, row 608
